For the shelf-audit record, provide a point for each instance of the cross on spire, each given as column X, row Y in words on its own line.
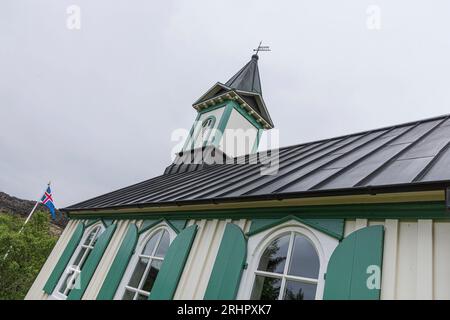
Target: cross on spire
column 261, row 48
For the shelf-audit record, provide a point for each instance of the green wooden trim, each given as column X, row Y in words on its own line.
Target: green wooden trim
column 120, row 264
column 191, row 133
column 351, row 265
column 148, row 224
column 230, row 260
column 173, row 265
column 94, row 221
column 92, row 262
column 64, row 259
column 332, row 227
column 222, row 123
column 176, row 224
column 107, row 222
column 258, row 139
column 407, row 210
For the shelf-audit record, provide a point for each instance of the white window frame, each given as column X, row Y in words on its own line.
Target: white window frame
column 70, row 266
column 142, row 241
column 323, row 243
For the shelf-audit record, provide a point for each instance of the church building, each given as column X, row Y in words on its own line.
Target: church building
column 360, row 216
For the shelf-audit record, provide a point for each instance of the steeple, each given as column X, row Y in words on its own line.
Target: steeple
column 245, row 87
column 247, row 79
column 231, row 117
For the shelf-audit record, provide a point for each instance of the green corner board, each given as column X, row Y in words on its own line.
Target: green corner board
column 407, row 210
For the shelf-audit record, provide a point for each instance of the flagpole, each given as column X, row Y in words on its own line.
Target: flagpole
column 26, row 221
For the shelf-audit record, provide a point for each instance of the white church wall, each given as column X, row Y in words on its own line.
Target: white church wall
column 235, row 123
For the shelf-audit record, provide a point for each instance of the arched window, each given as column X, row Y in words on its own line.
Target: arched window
column 287, row 270
column 76, row 263
column 145, row 265
column 208, row 122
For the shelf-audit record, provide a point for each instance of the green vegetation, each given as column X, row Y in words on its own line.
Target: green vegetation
column 27, row 252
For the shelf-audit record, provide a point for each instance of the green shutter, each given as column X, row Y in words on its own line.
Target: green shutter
column 351, row 266
column 226, row 274
column 119, row 265
column 167, row 280
column 91, row 263
column 64, row 259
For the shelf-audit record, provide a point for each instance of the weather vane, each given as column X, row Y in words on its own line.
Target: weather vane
column 261, row 48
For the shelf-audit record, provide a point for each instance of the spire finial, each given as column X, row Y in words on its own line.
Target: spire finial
column 260, row 48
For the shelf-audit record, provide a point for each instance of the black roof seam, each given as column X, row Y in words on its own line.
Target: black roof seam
column 308, row 163
column 302, row 157
column 331, row 161
column 374, row 173
column 431, row 164
column 357, row 161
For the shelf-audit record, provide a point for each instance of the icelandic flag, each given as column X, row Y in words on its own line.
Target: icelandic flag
column 47, row 200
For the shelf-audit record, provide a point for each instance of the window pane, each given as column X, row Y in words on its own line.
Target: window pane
column 151, row 276
column 73, row 282
column 66, row 281
column 79, row 256
column 148, row 250
column 299, row 291
column 128, row 295
column 304, row 259
column 138, row 272
column 141, row 297
column 163, row 245
column 98, row 233
column 90, row 237
column 266, row 288
column 274, row 257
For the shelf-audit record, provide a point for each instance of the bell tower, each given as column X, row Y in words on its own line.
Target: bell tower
column 231, row 117
column 230, row 111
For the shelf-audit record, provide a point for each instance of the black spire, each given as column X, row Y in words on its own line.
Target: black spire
column 247, row 79
column 246, row 84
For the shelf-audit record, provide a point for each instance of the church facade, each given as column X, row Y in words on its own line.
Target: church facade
column 361, row 216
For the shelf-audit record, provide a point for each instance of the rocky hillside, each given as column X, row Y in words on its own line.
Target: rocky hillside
column 23, row 207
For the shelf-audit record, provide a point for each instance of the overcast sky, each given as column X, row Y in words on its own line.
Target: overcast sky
column 93, row 109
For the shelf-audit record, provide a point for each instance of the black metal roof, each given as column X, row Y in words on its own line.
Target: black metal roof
column 401, row 157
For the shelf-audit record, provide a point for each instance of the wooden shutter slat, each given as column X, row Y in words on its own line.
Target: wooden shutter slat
column 91, row 263
column 226, row 274
column 173, row 265
column 347, row 271
column 120, row 264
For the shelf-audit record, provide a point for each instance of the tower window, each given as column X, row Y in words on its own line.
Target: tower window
column 207, row 123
